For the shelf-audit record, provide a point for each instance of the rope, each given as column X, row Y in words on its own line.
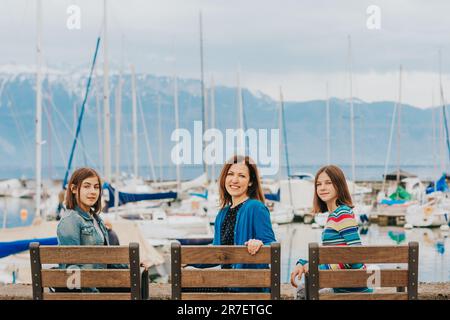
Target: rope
column 80, row 118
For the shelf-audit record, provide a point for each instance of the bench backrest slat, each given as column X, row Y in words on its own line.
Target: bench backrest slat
column 85, row 278
column 225, row 278
column 223, row 255
column 359, row 278
column 363, row 254
column 87, row 296
column 365, row 296
column 85, row 254
column 228, row 296
column 88, row 278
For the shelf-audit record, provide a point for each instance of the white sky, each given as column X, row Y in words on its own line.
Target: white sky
column 297, row 44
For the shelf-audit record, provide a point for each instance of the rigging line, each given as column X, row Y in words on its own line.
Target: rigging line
column 126, row 135
column 81, row 114
column 53, row 131
column 445, row 121
column 147, row 142
column 20, row 129
column 71, row 131
column 2, row 87
column 244, row 118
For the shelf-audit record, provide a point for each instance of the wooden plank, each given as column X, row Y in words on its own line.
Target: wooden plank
column 365, row 296
column 363, row 254
column 87, row 296
column 224, row 278
column 84, row 254
column 223, row 255
column 76, row 278
column 359, row 278
column 225, row 296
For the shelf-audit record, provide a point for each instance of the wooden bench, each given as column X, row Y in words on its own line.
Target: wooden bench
column 399, row 278
column 87, row 278
column 225, row 278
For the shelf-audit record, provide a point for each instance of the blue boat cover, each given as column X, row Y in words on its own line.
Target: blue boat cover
column 390, row 202
column 441, row 185
column 13, row 247
column 134, row 197
column 273, row 197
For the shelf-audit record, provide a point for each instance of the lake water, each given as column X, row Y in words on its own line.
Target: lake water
column 434, row 250
column 368, row 172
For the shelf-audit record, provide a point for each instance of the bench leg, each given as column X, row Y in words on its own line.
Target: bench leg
column 145, row 295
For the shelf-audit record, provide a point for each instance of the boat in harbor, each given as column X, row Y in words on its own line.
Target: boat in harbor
column 434, row 213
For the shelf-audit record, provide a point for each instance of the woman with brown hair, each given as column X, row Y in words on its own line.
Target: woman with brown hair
column 341, row 229
column 243, row 219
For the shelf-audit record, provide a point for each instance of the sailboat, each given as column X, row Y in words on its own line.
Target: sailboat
column 282, row 212
column 435, row 212
column 395, row 199
column 361, row 210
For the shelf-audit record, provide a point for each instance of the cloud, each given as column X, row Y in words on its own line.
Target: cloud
column 287, row 39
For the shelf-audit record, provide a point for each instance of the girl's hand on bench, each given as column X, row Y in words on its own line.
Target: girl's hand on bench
column 253, row 246
column 299, row 270
column 146, row 265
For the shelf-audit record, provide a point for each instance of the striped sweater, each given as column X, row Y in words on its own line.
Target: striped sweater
column 341, row 229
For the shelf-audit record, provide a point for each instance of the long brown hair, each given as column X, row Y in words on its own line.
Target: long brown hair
column 254, row 190
column 339, row 183
column 76, row 180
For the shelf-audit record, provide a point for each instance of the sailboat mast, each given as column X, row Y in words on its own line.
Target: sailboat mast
column 160, row 160
column 328, row 126
column 38, row 107
column 240, row 112
column 177, row 126
column 213, row 123
column 106, row 109
column 284, row 132
column 205, row 170
column 399, row 122
column 240, row 107
column 441, row 118
column 134, row 122
column 280, row 137
column 118, row 129
column 433, row 132
column 352, row 119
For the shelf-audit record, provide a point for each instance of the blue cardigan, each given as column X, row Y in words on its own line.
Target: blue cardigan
column 252, row 222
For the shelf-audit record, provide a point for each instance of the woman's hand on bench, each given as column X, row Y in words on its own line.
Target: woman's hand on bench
column 299, row 270
column 253, row 246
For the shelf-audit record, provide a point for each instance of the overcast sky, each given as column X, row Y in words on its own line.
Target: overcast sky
column 299, row 45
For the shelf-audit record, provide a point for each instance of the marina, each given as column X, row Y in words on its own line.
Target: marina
column 181, row 151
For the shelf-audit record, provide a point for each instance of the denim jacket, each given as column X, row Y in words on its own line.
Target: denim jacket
column 76, row 228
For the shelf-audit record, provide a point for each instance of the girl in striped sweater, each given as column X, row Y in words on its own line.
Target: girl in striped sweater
column 341, row 229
